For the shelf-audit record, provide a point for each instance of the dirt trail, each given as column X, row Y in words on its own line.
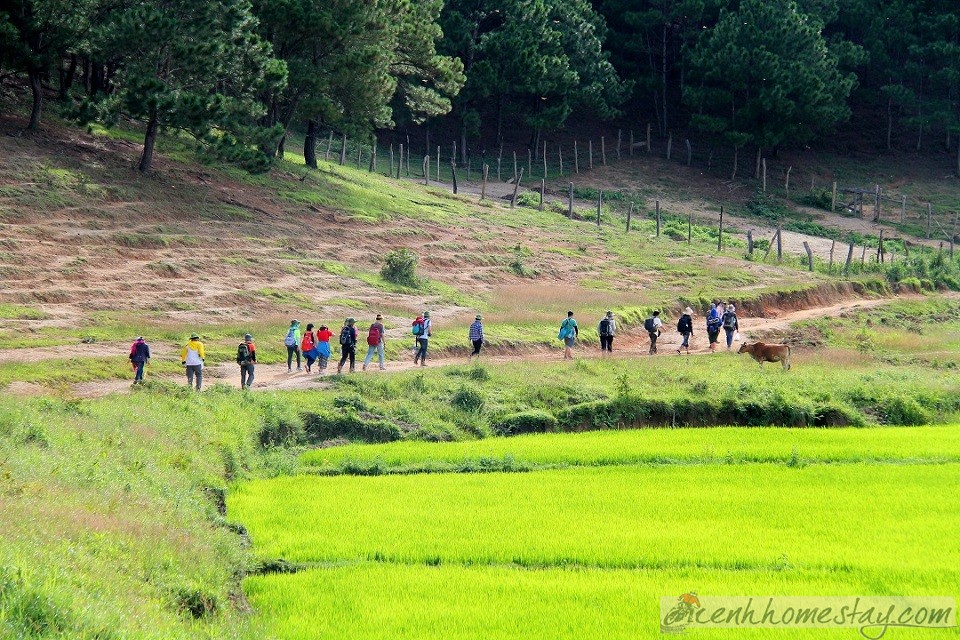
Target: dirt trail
column 274, row 377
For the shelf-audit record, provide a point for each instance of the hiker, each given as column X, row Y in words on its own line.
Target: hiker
column 652, row 325
column 713, row 326
column 192, row 358
column 375, row 342
column 247, row 359
column 139, row 356
column 416, row 330
column 423, row 338
column 606, row 329
column 323, row 347
column 308, row 346
column 685, row 327
column 292, row 342
column 569, row 332
column 476, row 336
column 348, row 344
column 730, row 324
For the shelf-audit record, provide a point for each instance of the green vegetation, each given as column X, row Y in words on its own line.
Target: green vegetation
column 400, row 267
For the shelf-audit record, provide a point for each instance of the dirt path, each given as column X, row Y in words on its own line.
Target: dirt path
column 274, row 377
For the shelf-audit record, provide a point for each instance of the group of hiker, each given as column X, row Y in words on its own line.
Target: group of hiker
column 309, row 346
column 721, row 316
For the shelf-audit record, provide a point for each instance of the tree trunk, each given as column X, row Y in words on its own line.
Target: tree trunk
column 35, row 91
column 666, row 126
column 310, row 145
column 281, row 146
column 67, row 77
column 889, row 122
column 149, row 141
column 756, row 171
column 736, row 156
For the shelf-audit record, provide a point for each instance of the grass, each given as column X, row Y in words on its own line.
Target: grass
column 721, row 445
column 20, row 312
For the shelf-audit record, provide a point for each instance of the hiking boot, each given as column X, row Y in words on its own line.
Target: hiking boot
column 382, row 368
column 299, row 368
column 364, row 367
column 339, row 368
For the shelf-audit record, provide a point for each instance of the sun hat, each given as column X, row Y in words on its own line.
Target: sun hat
column 479, row 317
column 426, row 314
column 351, row 320
column 247, row 337
column 194, row 336
column 688, row 311
column 379, row 317
column 294, row 321
column 323, row 326
column 609, row 314
column 730, row 307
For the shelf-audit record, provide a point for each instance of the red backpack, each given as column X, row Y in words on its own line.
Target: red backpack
column 373, row 338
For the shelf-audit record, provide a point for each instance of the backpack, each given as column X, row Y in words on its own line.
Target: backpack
column 649, row 326
column 729, row 320
column 243, row 353
column 713, row 323
column 684, row 325
column 346, row 336
column 418, row 325
column 605, row 327
column 373, row 337
column 290, row 340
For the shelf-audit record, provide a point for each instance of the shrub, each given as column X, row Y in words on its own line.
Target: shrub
column 903, row 411
column 400, row 267
column 524, row 422
column 352, row 425
column 528, row 199
column 468, row 399
column 279, row 425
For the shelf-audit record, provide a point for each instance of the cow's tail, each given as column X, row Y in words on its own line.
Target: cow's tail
column 788, row 357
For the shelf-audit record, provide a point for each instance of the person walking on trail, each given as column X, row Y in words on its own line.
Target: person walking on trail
column 247, row 359
column 714, row 322
column 569, row 332
column 292, row 343
column 139, row 357
column 476, row 336
column 348, row 344
column 423, row 338
column 606, row 330
column 653, row 325
column 375, row 343
column 730, row 324
column 685, row 327
column 308, row 346
column 192, row 358
column 323, row 348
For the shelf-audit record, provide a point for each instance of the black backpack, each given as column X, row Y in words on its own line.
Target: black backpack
column 605, row 327
column 346, row 336
column 243, row 353
column 649, row 326
column 685, row 324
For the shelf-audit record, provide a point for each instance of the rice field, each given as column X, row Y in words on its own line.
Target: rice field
column 603, row 524
column 653, row 446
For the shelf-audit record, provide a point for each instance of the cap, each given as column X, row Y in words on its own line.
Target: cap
column 139, row 338
column 351, row 320
column 609, row 314
column 247, row 337
column 323, row 326
column 426, row 314
column 479, row 317
column 194, row 336
column 294, row 321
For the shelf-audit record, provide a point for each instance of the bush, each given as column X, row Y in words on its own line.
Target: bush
column 279, row 425
column 400, row 267
column 524, row 422
column 468, row 399
column 528, row 199
column 352, row 425
column 903, row 411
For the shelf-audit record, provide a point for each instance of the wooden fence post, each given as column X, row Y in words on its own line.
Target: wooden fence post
column 570, row 209
column 773, row 239
column 373, row 156
column 426, row 170
column 498, row 169
column 529, row 161
column 763, row 168
column 779, row 243
column 590, row 151
column 409, row 151
column 786, row 185
column 343, row 150
column 400, row 166
column 326, row 155
column 689, row 228
column 689, row 153
column 880, row 248
column 903, row 209
column 544, row 158
column 832, row 247
column 515, row 175
column 631, row 143
column 929, row 218
column 483, row 185
column 453, row 174
column 846, row 267
column 359, row 155
column 576, row 158
column 863, row 256
column 876, row 203
column 833, row 200
column 516, row 188
column 806, row 247
column 391, row 161
column 750, row 242
column 619, row 139
column 669, row 145
column 658, row 218
column 648, row 137
column 543, row 184
column 439, row 163
column 603, row 151
column 720, row 231
column 560, row 153
column 629, row 215
column 599, row 205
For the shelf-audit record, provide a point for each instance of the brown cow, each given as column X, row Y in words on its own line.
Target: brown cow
column 768, row 353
